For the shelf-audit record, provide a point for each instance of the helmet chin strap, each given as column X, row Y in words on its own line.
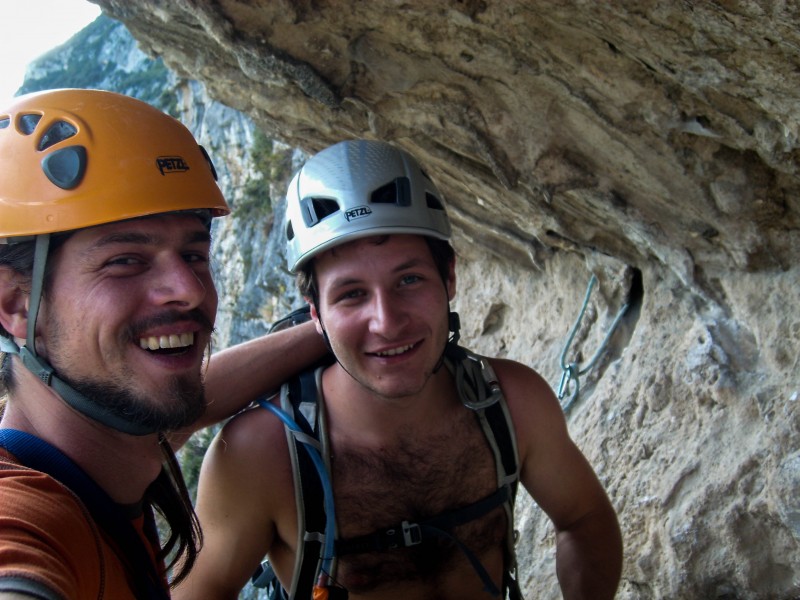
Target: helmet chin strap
column 41, row 369
column 37, row 285
column 454, row 325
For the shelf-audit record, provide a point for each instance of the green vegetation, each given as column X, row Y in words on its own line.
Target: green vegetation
column 272, row 166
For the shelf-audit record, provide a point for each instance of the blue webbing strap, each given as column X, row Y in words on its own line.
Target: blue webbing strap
column 37, row 454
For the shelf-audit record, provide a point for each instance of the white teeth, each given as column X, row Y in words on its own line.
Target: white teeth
column 395, row 351
column 167, row 341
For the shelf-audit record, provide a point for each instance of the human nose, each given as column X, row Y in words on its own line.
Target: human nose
column 177, row 283
column 388, row 315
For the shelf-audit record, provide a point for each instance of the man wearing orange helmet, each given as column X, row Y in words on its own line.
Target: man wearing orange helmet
column 107, row 307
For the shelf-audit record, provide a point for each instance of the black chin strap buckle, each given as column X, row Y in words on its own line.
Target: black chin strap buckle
column 454, row 323
column 412, row 534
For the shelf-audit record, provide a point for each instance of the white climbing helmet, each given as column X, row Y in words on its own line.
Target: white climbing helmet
column 359, row 188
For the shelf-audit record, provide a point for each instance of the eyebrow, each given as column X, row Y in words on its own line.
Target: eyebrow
column 409, row 264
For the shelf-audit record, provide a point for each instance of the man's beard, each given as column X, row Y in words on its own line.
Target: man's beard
column 178, row 406
column 179, row 403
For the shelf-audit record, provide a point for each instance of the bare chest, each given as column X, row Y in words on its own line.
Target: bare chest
column 414, row 478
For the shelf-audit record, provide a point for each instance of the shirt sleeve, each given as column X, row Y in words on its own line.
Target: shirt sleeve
column 49, row 548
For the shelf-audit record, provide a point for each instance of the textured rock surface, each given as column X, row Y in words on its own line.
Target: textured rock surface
column 654, row 145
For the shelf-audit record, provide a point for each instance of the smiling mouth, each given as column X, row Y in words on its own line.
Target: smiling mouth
column 395, row 351
column 167, row 342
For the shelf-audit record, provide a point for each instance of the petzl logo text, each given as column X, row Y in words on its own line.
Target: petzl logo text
column 171, row 164
column 357, row 212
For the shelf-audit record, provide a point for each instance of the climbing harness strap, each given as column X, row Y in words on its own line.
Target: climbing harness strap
column 405, row 534
column 572, row 371
column 34, row 453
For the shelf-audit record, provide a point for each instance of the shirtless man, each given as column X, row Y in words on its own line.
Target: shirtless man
column 367, row 235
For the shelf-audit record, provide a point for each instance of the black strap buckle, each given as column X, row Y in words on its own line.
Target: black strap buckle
column 412, row 534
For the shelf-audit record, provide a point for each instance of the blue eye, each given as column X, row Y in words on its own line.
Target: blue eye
column 196, row 257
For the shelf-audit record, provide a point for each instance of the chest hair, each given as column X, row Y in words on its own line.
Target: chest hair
column 417, row 476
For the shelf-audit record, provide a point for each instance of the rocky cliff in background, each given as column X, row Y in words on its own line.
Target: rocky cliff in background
column 653, row 145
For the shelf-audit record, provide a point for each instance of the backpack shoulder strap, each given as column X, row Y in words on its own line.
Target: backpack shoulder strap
column 480, row 391
column 300, row 398
column 499, row 430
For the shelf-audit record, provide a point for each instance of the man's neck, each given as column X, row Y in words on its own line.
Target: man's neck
column 122, row 464
column 351, row 407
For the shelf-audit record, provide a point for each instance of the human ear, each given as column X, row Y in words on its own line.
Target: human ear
column 315, row 316
column 14, row 298
column 451, row 280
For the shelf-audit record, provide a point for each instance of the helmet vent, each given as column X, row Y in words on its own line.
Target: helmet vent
column 65, row 167
column 433, row 202
column 397, row 192
column 57, row 132
column 28, row 123
column 316, row 209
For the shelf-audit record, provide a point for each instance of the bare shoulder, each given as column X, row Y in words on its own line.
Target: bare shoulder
column 531, row 400
column 254, row 429
column 245, row 502
column 252, row 447
column 552, row 467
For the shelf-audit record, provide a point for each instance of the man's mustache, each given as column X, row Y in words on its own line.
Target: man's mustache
column 171, row 317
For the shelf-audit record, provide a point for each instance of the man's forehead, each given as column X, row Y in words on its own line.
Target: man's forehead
column 187, row 220
column 366, row 242
column 150, row 228
column 397, row 248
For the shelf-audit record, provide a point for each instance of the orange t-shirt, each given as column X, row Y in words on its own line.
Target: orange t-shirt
column 50, row 544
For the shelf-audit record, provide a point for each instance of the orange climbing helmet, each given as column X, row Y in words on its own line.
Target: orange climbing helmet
column 75, row 158
column 71, row 159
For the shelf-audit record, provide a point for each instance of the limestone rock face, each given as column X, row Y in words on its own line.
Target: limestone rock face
column 653, row 145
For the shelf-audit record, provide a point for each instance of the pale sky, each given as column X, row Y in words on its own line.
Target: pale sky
column 30, row 29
